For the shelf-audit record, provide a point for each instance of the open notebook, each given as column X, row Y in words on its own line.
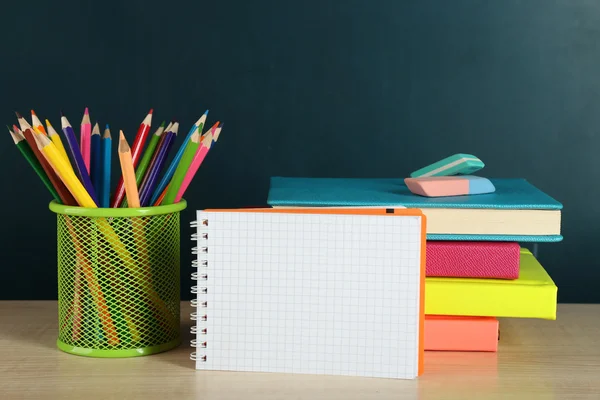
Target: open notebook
column 334, row 292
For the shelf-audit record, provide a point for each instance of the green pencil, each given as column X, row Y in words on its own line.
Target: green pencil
column 147, row 157
column 182, row 168
column 23, row 146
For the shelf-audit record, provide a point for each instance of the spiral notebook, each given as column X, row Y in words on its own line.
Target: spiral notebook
column 329, row 292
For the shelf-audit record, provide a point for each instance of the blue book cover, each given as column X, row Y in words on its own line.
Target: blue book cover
column 510, row 194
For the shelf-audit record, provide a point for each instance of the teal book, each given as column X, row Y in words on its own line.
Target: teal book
column 516, row 211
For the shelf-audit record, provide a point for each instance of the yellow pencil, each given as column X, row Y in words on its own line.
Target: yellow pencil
column 65, row 173
column 131, row 190
column 82, row 197
column 56, row 140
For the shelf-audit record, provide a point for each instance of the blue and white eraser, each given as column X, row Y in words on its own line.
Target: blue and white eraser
column 458, row 164
column 443, row 186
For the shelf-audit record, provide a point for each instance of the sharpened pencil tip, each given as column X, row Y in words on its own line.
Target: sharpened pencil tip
column 123, row 145
column 162, row 125
column 206, row 112
column 221, row 125
column 107, row 127
column 151, row 110
column 33, row 113
column 18, row 115
column 86, row 112
column 8, row 127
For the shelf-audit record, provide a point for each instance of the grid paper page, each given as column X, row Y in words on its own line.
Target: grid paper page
column 309, row 293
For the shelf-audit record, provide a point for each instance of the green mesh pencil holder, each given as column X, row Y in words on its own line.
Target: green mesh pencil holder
column 118, row 280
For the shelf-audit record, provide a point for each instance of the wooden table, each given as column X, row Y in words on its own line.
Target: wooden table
column 537, row 360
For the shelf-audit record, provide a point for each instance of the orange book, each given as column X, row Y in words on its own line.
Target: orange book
column 458, row 333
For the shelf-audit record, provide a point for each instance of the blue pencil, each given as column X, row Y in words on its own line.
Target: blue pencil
column 106, row 160
column 173, row 166
column 80, row 167
column 96, row 159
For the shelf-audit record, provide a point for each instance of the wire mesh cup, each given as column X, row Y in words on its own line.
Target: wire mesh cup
column 118, row 280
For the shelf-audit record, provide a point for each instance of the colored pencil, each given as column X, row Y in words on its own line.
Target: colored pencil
column 196, row 162
column 23, row 124
column 136, row 152
column 168, row 128
column 106, row 167
column 212, row 131
column 170, row 172
column 29, row 155
column 63, row 192
column 78, row 159
column 157, row 164
column 217, row 132
column 131, row 191
column 161, row 197
column 55, row 137
column 182, row 167
column 85, row 139
column 147, row 157
column 68, row 177
column 96, row 159
column 37, row 124
column 128, row 173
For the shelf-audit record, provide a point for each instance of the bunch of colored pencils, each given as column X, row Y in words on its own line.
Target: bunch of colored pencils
column 78, row 174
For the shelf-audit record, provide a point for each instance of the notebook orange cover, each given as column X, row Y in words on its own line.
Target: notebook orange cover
column 375, row 212
column 458, row 333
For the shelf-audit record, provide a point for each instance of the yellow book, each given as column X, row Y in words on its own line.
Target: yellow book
column 532, row 295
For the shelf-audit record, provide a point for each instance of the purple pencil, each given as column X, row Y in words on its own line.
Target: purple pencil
column 78, row 158
column 151, row 179
column 143, row 186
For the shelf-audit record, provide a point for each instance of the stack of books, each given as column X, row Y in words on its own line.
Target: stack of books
column 476, row 267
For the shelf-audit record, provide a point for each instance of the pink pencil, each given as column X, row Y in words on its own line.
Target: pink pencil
column 85, row 141
column 207, row 141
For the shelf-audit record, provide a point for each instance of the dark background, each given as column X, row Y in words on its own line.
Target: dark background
column 314, row 88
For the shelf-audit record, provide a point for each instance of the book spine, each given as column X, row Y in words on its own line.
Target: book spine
column 200, row 304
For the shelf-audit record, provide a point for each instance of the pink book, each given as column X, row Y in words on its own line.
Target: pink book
column 457, row 259
column 457, row 333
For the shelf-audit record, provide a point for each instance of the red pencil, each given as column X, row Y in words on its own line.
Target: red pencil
column 136, row 152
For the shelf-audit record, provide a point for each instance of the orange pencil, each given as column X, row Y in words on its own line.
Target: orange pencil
column 37, row 124
column 161, row 197
column 133, row 196
column 133, row 201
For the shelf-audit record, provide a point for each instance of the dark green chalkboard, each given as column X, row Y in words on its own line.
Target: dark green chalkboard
column 315, row 88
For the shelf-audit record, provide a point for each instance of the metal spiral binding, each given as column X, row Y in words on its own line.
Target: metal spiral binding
column 201, row 274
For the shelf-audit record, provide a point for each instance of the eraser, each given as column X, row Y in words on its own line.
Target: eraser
column 458, row 164
column 442, row 186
